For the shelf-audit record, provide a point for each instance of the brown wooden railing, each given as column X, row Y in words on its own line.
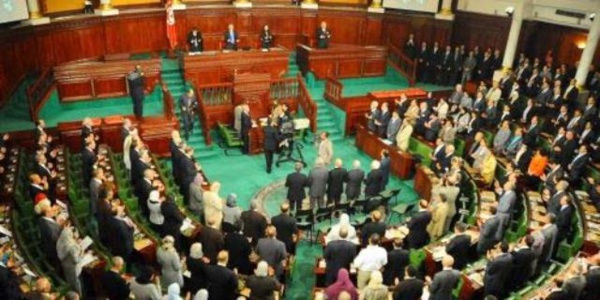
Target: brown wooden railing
column 402, row 64
column 284, row 89
column 215, row 94
column 39, row 92
column 168, row 103
column 333, row 89
column 306, row 102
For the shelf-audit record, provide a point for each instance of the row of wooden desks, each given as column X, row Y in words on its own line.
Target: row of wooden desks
column 371, row 144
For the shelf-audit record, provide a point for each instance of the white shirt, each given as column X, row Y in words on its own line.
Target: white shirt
column 370, row 259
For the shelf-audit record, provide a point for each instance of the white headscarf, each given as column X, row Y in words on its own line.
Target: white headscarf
column 334, row 233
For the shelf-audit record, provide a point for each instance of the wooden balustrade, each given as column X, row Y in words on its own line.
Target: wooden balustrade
column 333, row 90
column 168, row 103
column 308, row 105
column 215, row 94
column 284, row 89
column 403, row 64
column 38, row 93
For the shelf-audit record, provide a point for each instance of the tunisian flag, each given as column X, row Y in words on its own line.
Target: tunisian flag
column 171, row 28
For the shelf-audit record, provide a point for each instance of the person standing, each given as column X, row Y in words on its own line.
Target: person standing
column 231, row 38
column 195, row 42
column 354, row 180
column 271, row 143
column 317, row 183
column 440, row 288
column 323, row 35
column 296, row 183
column 188, row 104
column 325, row 148
column 266, row 38
column 136, row 90
column 335, row 184
column 246, row 125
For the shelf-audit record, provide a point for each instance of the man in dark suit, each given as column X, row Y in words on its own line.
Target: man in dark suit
column 271, row 143
column 445, row 281
column 397, row 261
column 40, row 126
column 173, row 219
column 49, row 231
column 211, row 239
column 246, row 124
column 497, row 273
column 523, row 258
column 9, row 281
column 592, row 279
column 532, row 133
column 354, row 180
column 127, row 129
column 142, row 191
column 139, row 166
column 88, row 160
column 458, row 247
column 238, row 246
column 383, row 120
column 323, row 35
column 286, row 228
column 135, row 79
column 231, row 38
column 222, row 282
column 188, row 171
column 46, row 175
column 272, row 251
column 554, row 175
column 578, row 164
column 121, row 239
column 254, row 222
column 374, row 180
column 411, row 288
column 114, row 284
column 338, row 254
column 418, row 235
column 187, row 105
column 296, row 183
column 385, row 166
column 194, row 39
column 335, row 182
column 375, row 226
column 422, row 60
column 488, row 231
column 564, row 217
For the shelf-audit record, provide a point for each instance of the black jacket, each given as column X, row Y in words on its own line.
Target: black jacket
column 397, row 261
column 335, row 183
column 338, row 254
column 418, row 235
column 271, row 142
column 373, row 182
column 296, row 183
column 458, row 247
column 222, row 284
column 409, row 289
column 286, row 228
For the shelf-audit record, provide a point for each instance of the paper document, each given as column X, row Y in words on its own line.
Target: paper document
column 187, row 224
column 85, row 243
column 5, row 231
column 29, row 272
column 87, row 259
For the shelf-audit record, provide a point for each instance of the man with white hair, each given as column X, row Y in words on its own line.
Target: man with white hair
column 373, row 116
column 335, row 184
column 261, row 285
column 374, row 181
column 317, row 183
column 354, row 180
column 254, row 223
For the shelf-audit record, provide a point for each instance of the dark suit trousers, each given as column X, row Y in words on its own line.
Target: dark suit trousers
column 246, row 142
column 138, row 105
column 269, row 159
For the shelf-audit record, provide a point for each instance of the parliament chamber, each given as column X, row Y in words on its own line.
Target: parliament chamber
column 300, row 149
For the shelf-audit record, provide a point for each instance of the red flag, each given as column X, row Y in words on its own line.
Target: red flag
column 171, row 28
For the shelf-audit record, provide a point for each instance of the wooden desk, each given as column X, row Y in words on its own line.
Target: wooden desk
column 94, row 79
column 424, row 181
column 218, row 67
column 437, row 249
column 70, row 133
column 400, row 162
column 342, row 61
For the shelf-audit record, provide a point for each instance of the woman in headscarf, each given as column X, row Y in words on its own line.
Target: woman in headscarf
column 157, row 219
column 201, row 295
column 127, row 143
column 70, row 254
column 260, row 284
column 197, row 268
column 142, row 287
column 334, row 233
column 343, row 283
column 232, row 213
column 375, row 290
column 213, row 204
column 196, row 205
column 173, row 292
column 170, row 263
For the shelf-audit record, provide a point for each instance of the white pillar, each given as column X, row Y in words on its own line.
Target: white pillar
column 445, row 12
column 513, row 35
column 35, row 15
column 588, row 52
column 106, row 9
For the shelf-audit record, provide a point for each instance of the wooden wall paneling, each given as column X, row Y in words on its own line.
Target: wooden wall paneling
column 243, row 20
column 212, row 23
column 76, row 41
column 373, row 31
column 346, row 27
column 309, row 23
column 285, row 25
column 136, row 33
column 18, row 56
column 480, row 30
column 395, row 31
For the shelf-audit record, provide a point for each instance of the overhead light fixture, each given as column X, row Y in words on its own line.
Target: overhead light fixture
column 510, row 11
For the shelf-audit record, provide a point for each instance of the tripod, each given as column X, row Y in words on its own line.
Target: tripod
column 286, row 153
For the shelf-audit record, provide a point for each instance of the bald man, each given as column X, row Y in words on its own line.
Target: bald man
column 113, row 283
column 272, row 251
column 223, row 283
column 286, row 227
column 323, row 35
column 335, row 183
column 444, row 281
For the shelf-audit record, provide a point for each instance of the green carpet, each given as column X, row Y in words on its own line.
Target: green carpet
column 15, row 114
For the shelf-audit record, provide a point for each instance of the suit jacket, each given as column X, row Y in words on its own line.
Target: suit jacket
column 563, row 222
column 322, row 37
column 88, row 159
column 223, row 283
column 409, row 289
column 246, row 124
column 212, row 242
column 418, row 235
column 196, row 199
column 121, row 239
column 239, row 252
column 403, row 137
column 592, row 284
column 173, row 218
column 354, row 179
column 273, row 252
column 338, row 254
column 254, row 225
column 385, row 172
column 488, row 238
column 397, row 261
column 443, row 283
column 271, row 142
column 317, row 182
column 335, row 183
column 142, row 192
column 384, row 120
column 9, row 284
column 522, row 269
column 115, row 286
column 550, row 234
column 497, row 272
column 231, row 43
column 95, row 187
column 296, row 183
column 371, row 228
column 374, row 182
column 577, row 165
column 286, row 227
column 326, row 151
column 392, row 129
column 49, row 233
column 458, row 247
column 531, row 136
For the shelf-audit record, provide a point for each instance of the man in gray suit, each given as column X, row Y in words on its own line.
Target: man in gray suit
column 488, row 231
column 393, row 126
column 354, row 180
column 550, row 233
column 196, row 201
column 70, row 254
column 317, row 183
column 505, row 208
column 444, row 281
column 95, row 187
column 272, row 250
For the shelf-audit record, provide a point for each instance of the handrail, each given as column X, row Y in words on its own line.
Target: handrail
column 333, row 89
column 203, row 119
column 402, row 64
column 284, row 88
column 216, row 93
column 37, row 93
column 306, row 102
column 168, row 103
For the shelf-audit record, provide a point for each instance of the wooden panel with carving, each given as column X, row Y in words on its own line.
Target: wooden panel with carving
column 135, row 33
column 345, row 27
column 342, row 60
column 480, row 30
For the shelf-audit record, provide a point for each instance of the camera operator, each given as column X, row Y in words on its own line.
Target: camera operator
column 271, row 143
